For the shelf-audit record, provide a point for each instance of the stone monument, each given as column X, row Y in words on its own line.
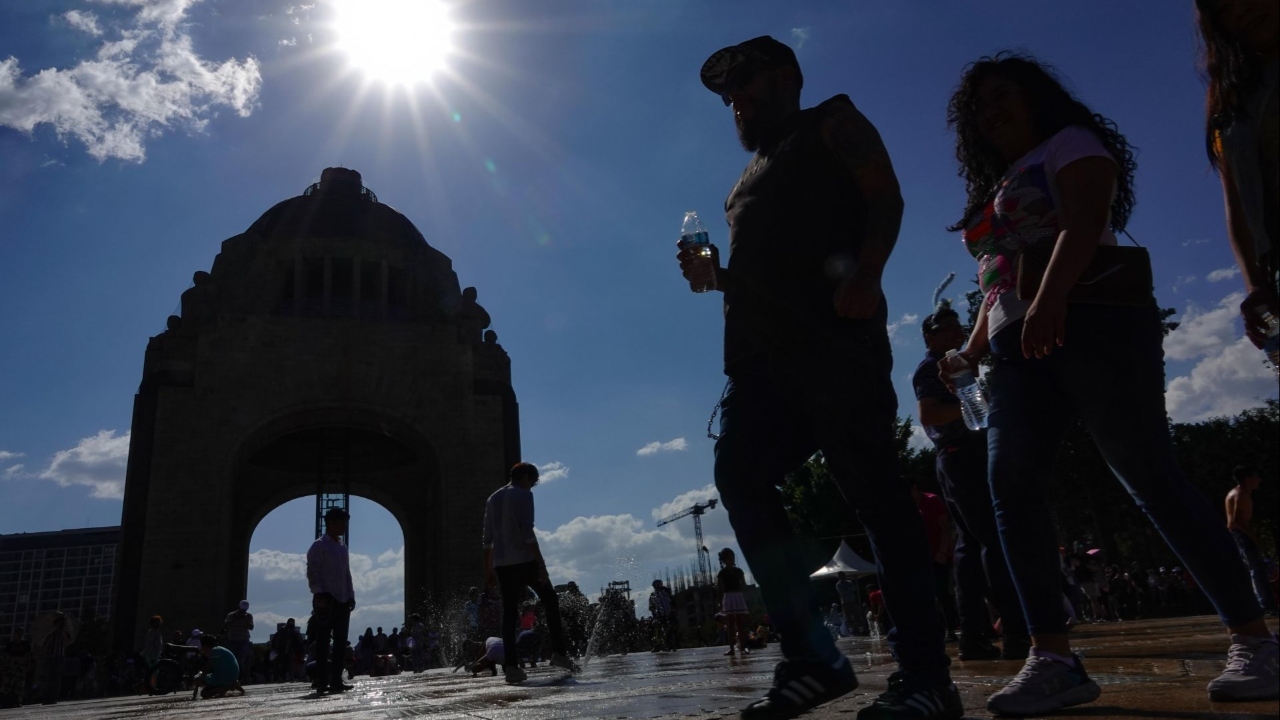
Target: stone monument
column 330, row 349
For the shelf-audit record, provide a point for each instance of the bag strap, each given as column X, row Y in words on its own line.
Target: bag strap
column 1135, row 242
column 714, row 411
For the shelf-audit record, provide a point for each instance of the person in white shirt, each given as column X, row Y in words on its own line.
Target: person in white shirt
column 512, row 559
column 333, row 597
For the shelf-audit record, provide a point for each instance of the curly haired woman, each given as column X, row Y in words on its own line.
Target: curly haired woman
column 1042, row 169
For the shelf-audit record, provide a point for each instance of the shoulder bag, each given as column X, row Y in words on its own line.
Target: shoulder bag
column 1117, row 275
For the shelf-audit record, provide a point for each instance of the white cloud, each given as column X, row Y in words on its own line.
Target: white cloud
column 296, row 12
column 83, row 21
column 144, row 80
column 6, row 455
column 905, row 320
column 384, row 574
column 685, row 501
column 919, row 440
column 1229, row 375
column 552, row 471
column 1194, row 241
column 382, row 614
column 288, row 42
column 799, row 36
column 1223, row 383
column 277, row 582
column 97, row 462
column 277, row 565
column 1223, row 274
column 595, row 550
column 1201, row 331
column 381, row 577
column 655, row 447
column 12, row 471
column 1183, row 281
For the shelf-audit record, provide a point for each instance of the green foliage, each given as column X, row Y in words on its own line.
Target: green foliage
column 1168, row 325
column 1208, row 451
column 818, row 511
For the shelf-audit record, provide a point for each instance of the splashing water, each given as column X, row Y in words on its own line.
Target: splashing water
column 615, row 617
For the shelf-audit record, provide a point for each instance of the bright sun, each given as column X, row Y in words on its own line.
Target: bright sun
column 400, row 42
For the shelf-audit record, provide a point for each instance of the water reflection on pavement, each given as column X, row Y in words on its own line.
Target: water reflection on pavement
column 1148, row 669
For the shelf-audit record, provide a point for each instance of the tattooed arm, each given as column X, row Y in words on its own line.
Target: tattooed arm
column 857, row 144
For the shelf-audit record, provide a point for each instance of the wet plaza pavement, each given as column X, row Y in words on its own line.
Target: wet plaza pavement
column 1148, row 669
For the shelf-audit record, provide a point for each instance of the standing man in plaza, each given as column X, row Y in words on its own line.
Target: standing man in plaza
column 237, row 629
column 855, row 616
column 1239, row 519
column 662, row 608
column 333, row 597
column 962, row 474
column 812, row 222
column 513, row 561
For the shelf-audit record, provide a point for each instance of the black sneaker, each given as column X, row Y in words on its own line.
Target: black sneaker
column 909, row 700
column 340, row 687
column 800, row 686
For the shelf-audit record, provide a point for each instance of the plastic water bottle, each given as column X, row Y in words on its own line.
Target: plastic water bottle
column 1272, row 345
column 693, row 234
column 973, row 401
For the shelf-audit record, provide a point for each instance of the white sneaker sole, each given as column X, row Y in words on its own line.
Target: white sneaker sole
column 1078, row 695
column 1235, row 694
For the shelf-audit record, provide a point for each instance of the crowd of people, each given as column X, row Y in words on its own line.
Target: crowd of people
column 1068, row 327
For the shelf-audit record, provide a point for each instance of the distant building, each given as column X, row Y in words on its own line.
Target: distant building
column 697, row 602
column 68, row 570
column 695, row 606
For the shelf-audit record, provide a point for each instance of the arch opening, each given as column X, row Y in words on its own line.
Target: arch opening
column 276, row 567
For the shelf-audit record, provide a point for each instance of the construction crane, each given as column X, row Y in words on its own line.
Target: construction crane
column 704, row 555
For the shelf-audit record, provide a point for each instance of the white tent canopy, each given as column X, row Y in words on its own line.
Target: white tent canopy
column 845, row 561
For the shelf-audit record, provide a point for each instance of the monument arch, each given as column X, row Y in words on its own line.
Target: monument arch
column 329, row 349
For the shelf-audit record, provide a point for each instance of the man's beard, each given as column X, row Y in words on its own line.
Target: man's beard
column 761, row 131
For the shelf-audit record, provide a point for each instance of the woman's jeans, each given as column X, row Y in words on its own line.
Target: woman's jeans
column 1110, row 376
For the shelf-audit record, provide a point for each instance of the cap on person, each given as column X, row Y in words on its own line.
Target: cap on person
column 336, row 513
column 244, row 604
column 736, row 61
column 196, row 633
column 656, row 583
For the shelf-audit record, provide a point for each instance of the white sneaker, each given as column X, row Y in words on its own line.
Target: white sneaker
column 1251, row 672
column 1044, row 685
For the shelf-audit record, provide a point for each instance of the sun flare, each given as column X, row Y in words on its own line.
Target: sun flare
column 399, row 42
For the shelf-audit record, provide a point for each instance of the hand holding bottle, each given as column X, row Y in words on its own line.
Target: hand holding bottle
column 699, row 259
column 973, row 400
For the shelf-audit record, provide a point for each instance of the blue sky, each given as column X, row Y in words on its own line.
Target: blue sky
column 552, row 160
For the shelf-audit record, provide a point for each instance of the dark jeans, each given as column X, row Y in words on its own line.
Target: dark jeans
column 1252, row 558
column 329, row 624
column 1110, row 375
column 242, row 649
column 980, row 562
column 774, row 417
column 512, row 580
column 664, row 632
